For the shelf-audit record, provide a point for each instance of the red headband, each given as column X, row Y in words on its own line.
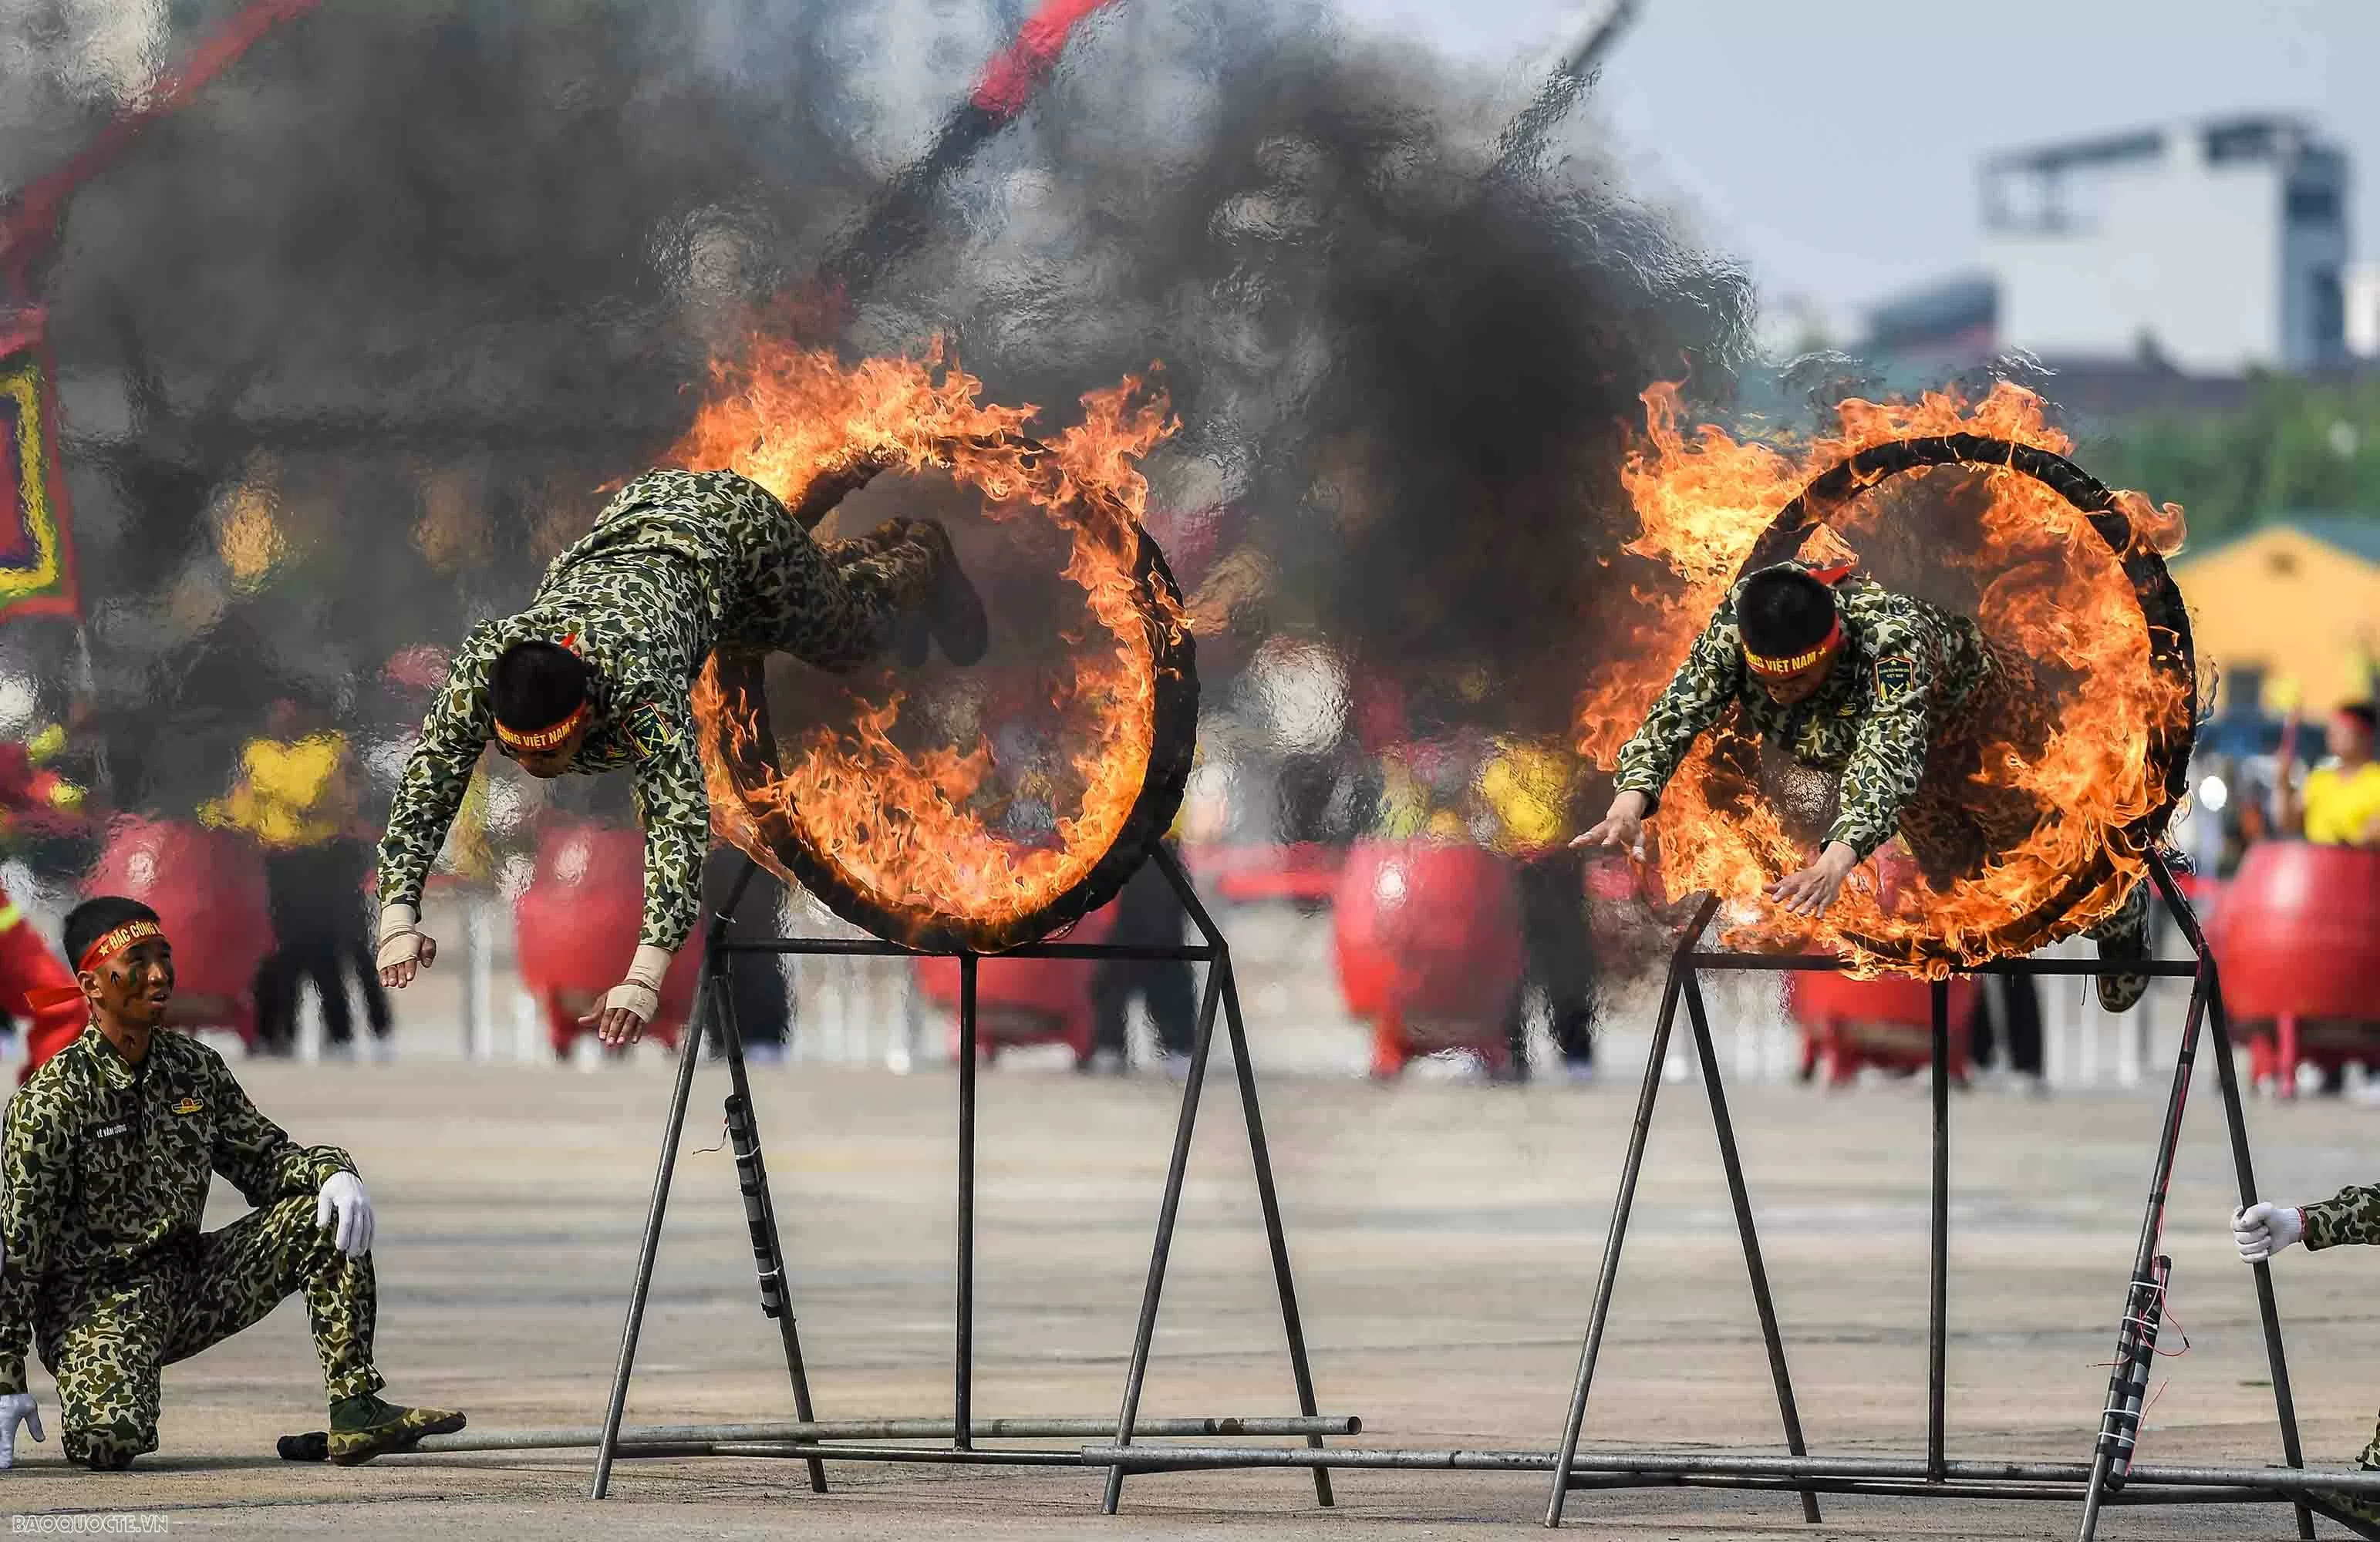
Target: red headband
column 1763, row 663
column 115, row 942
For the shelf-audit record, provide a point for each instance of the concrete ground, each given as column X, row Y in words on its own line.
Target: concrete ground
column 1445, row 1236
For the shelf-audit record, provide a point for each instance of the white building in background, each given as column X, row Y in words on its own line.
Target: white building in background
column 2363, row 309
column 2217, row 247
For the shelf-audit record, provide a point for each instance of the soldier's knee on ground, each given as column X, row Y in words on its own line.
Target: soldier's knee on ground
column 108, row 1448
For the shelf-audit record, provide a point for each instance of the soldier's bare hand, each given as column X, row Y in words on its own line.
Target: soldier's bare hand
column 614, row 1026
column 1622, row 826
column 1813, row 891
column 399, row 974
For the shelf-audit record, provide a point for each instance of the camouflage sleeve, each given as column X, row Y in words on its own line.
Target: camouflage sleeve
column 1697, row 693
column 37, row 1165
column 676, row 810
column 1889, row 760
column 438, row 773
column 259, row 1158
column 2350, row 1215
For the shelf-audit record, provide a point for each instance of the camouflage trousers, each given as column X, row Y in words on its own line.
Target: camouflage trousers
column 833, row 604
column 106, row 1339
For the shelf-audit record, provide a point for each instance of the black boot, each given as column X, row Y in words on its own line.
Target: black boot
column 954, row 610
column 2123, row 938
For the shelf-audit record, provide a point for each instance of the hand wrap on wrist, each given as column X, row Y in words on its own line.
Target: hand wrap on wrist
column 400, row 936
column 641, row 992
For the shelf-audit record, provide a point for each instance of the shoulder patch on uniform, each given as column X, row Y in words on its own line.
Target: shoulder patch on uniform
column 649, row 733
column 188, row 1105
column 1895, row 673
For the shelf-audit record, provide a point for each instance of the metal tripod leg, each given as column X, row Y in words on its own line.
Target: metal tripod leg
column 760, row 1206
column 1276, row 1240
column 1145, row 1330
column 1617, row 1230
column 1938, row 1314
column 690, row 1051
column 2227, row 1074
column 1699, row 1019
column 2112, row 1427
column 963, row 1396
column 1267, row 1195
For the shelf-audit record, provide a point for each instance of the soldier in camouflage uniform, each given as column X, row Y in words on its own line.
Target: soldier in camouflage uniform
column 1835, row 679
column 596, row 675
column 108, row 1153
column 2352, row 1215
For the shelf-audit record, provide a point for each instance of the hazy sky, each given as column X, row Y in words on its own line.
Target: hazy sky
column 1833, row 143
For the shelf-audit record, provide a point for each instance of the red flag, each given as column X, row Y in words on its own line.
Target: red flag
column 36, row 574
column 1008, row 81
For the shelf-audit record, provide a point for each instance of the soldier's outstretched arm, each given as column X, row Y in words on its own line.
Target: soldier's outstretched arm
column 1889, row 760
column 2352, row 1215
column 1696, row 695
column 37, row 1165
column 437, row 773
column 674, row 808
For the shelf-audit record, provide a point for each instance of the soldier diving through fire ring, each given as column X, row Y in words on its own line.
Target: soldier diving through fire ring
column 1897, row 699
column 109, row 1151
column 596, row 676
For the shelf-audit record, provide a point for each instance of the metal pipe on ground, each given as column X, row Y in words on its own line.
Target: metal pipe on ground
column 1597, row 1466
column 679, row 1436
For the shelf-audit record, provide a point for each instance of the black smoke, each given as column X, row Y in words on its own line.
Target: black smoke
column 420, row 278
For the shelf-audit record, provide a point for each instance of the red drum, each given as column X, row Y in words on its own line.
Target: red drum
column 207, row 887
column 1885, row 1022
column 1428, row 935
column 1026, row 1001
column 576, row 925
column 2297, row 936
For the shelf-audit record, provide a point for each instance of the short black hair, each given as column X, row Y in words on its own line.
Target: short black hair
column 535, row 684
column 2364, row 713
column 1783, row 611
column 94, row 918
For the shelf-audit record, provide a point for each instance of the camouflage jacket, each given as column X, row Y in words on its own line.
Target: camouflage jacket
column 107, row 1165
column 1904, row 668
column 2350, row 1215
column 647, row 593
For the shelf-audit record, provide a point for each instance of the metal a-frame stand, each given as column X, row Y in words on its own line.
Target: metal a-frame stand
column 2110, row 1475
column 715, row 1014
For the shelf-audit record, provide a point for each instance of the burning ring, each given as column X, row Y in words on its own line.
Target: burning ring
column 2170, row 655
column 898, row 842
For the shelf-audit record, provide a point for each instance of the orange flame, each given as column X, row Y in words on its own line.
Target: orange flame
column 901, row 826
column 2051, row 591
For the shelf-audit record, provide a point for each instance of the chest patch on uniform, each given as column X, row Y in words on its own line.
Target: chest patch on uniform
column 105, row 1130
column 1894, row 678
column 188, row 1105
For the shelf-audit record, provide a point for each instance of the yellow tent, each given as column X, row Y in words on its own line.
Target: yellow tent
column 2297, row 600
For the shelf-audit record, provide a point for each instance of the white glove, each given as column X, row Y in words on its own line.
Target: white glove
column 342, row 1195
column 2263, row 1230
column 404, row 946
column 16, row 1408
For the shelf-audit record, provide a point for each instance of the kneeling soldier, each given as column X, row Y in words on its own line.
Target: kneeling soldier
column 107, row 1157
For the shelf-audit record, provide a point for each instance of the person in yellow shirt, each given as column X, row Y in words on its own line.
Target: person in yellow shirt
column 1530, row 793
column 295, row 795
column 2339, row 805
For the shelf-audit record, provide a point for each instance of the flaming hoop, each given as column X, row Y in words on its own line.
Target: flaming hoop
column 898, row 838
column 2070, row 573
column 2169, row 737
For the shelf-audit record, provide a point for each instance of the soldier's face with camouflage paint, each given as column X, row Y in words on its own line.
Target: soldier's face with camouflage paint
column 546, row 764
column 1803, row 684
column 133, row 988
